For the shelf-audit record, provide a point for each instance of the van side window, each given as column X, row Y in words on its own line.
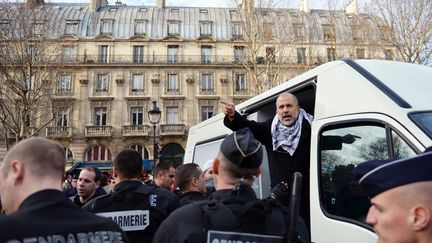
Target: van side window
column 340, row 194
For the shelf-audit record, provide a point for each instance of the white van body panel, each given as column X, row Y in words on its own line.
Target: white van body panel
column 342, row 95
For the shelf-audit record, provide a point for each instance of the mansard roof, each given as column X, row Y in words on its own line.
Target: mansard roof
column 156, row 21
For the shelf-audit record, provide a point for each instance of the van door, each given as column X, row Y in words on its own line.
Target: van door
column 338, row 205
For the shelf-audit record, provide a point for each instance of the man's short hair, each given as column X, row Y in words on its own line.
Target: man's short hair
column 129, row 163
column 163, row 165
column 185, row 173
column 98, row 173
column 234, row 171
column 43, row 157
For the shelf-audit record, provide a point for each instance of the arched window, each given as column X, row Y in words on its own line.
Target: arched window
column 68, row 154
column 98, row 153
column 172, row 152
column 140, row 149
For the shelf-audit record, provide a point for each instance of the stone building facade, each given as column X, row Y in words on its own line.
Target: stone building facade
column 117, row 59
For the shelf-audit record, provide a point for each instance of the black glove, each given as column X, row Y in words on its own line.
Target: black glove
column 280, row 193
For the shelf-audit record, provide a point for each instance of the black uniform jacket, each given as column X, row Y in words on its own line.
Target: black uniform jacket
column 49, row 216
column 187, row 224
column 281, row 164
column 137, row 208
column 188, row 197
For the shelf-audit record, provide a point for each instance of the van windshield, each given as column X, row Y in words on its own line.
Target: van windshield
column 424, row 121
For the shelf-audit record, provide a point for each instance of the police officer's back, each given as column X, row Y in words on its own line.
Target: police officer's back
column 37, row 209
column 137, row 208
column 233, row 213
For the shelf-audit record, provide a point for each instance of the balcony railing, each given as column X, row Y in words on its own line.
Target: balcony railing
column 58, row 132
column 135, row 130
column 172, row 129
column 183, row 59
column 98, row 131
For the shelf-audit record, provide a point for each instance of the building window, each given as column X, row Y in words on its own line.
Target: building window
column 206, row 112
column 356, row 33
column 206, row 54
column 30, row 82
column 140, row 149
column 270, row 79
column 71, row 28
column 206, row 82
column 331, row 54
column 137, row 82
column 388, row 55
column 269, row 30
column 61, row 119
column 4, row 27
column 238, row 54
column 136, row 115
column 173, row 28
column 270, row 55
column 67, row 53
column 299, row 31
column 140, row 27
column 64, row 84
column 240, row 82
column 301, row 55
column 172, row 115
column 206, row 28
column 100, row 116
column 360, row 53
column 103, row 54
column 31, row 51
column 328, row 31
column 172, row 54
column 38, row 28
column 97, row 153
column 237, row 30
column 138, row 54
column 68, row 154
column 102, row 83
column 173, row 85
column 106, row 27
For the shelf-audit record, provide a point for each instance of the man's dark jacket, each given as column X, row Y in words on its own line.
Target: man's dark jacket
column 49, row 216
column 131, row 195
column 189, row 223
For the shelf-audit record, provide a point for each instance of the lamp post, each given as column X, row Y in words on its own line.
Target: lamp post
column 154, row 116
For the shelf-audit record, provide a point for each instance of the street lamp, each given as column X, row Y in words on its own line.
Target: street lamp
column 154, row 116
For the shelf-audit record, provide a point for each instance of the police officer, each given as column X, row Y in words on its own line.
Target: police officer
column 190, row 181
column 37, row 210
column 233, row 213
column 400, row 192
column 137, row 208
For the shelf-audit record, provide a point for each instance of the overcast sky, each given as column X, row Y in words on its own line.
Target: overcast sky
column 314, row 4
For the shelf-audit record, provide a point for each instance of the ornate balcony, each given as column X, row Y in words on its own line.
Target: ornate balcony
column 135, row 130
column 59, row 132
column 98, row 131
column 29, row 131
column 172, row 129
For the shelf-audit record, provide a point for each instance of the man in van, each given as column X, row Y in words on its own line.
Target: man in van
column 286, row 137
column 233, row 213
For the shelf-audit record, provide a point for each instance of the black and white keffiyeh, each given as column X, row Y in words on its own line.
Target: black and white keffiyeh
column 288, row 137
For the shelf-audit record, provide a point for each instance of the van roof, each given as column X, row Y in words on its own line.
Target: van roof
column 411, row 83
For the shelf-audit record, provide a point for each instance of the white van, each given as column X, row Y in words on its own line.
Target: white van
column 387, row 104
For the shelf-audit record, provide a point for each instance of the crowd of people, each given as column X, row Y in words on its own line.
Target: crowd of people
column 215, row 203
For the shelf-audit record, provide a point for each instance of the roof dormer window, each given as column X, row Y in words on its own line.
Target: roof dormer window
column 173, row 27
column 106, row 26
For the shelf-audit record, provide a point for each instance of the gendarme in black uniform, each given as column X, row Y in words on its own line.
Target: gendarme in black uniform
column 137, row 208
column 49, row 216
column 189, row 224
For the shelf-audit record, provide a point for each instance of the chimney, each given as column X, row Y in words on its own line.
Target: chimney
column 352, row 7
column 304, row 6
column 34, row 3
column 96, row 4
column 118, row 3
column 160, row 3
column 247, row 5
